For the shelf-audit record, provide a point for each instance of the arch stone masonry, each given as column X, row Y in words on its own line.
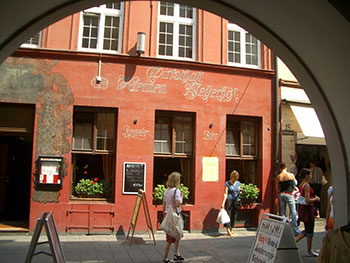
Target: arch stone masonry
column 311, row 37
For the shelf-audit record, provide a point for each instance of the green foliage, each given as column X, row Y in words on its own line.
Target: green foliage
column 160, row 189
column 249, row 192
column 185, row 191
column 92, row 187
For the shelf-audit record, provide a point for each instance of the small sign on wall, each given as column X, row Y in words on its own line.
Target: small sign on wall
column 210, row 168
column 50, row 170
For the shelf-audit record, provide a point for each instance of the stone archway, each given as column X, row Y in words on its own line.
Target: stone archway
column 311, row 37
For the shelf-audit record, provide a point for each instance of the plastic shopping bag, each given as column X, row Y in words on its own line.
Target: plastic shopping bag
column 172, row 224
column 223, row 217
column 301, row 200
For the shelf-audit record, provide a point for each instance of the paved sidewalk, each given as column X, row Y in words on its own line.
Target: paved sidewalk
column 195, row 247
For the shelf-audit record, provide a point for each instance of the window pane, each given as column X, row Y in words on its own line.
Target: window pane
column 111, row 33
column 161, row 50
column 105, row 131
column 234, row 50
column 165, row 39
column 166, row 9
column 186, row 11
column 34, row 40
column 83, row 130
column 181, row 52
column 162, row 137
column 249, row 138
column 251, row 49
column 185, row 41
column 169, row 51
column 115, row 5
column 183, row 135
column 90, row 31
column 232, row 142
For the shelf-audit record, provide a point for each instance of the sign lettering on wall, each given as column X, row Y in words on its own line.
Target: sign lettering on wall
column 191, row 81
column 210, row 136
column 138, row 134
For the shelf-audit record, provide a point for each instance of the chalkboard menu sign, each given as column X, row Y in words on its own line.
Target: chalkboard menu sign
column 134, row 177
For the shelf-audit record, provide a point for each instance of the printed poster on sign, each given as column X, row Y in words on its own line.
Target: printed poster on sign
column 267, row 241
column 50, row 170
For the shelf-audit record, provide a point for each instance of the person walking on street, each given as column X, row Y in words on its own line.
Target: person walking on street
column 172, row 197
column 307, row 211
column 285, row 187
column 316, row 183
column 231, row 201
column 330, row 213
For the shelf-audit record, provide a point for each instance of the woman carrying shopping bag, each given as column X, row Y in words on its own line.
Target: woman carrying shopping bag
column 172, row 202
column 231, row 201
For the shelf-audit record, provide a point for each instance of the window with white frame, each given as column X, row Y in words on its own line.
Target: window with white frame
column 101, row 28
column 34, row 41
column 243, row 49
column 176, row 37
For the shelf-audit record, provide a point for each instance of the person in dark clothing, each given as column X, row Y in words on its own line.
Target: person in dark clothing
column 316, row 183
column 307, row 211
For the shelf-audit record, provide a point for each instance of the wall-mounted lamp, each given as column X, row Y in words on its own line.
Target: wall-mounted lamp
column 135, row 121
column 211, row 125
column 141, row 40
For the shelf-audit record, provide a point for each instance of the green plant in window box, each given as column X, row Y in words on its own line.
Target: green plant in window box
column 159, row 190
column 90, row 188
column 249, row 193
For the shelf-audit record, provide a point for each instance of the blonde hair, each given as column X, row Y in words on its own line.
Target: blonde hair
column 174, row 180
column 235, row 174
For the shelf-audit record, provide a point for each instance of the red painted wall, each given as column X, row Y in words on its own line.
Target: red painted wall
column 249, row 94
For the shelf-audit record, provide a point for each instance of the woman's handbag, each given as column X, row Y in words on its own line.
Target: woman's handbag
column 172, row 224
column 237, row 203
column 223, row 217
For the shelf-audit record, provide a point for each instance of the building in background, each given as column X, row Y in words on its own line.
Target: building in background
column 85, row 100
column 302, row 138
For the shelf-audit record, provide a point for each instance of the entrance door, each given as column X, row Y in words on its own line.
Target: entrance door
column 16, row 144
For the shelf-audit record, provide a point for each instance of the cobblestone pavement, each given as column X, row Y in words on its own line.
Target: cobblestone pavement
column 195, row 247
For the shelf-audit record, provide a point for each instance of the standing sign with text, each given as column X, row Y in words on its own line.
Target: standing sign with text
column 274, row 241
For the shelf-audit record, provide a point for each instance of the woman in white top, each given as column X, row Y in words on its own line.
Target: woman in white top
column 172, row 197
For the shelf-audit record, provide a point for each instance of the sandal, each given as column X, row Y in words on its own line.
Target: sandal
column 178, row 258
column 167, row 261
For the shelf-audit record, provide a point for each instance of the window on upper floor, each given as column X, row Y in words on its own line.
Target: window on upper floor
column 243, row 49
column 34, row 41
column 176, row 31
column 101, row 28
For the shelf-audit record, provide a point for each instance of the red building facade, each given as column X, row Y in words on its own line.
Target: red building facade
column 187, row 105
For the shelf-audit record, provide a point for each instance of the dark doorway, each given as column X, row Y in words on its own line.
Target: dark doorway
column 16, row 146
